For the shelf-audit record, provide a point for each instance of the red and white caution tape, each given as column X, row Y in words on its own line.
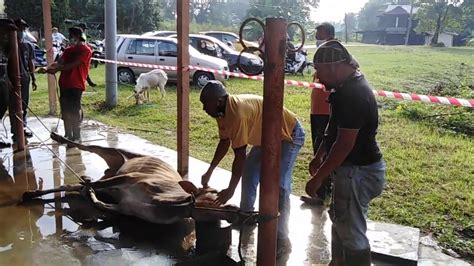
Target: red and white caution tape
column 389, row 94
column 221, row 72
column 426, row 98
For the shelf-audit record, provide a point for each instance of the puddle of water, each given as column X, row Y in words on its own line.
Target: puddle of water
column 60, row 230
column 63, row 232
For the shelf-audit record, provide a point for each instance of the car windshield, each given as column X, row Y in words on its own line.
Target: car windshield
column 224, row 47
column 192, row 51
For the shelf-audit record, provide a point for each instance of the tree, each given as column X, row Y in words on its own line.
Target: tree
column 350, row 21
column 291, row 10
column 26, row 9
column 60, row 10
column 467, row 19
column 439, row 15
column 367, row 16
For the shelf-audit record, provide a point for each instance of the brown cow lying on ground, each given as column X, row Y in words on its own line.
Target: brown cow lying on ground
column 145, row 187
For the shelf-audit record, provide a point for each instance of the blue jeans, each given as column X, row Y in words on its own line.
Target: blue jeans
column 252, row 171
column 354, row 188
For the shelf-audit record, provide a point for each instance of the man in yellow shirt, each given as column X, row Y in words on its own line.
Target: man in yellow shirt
column 239, row 119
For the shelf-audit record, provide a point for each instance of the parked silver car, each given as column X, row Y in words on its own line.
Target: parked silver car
column 163, row 51
column 159, row 33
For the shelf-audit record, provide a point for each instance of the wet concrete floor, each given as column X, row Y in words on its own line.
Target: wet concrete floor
column 62, row 230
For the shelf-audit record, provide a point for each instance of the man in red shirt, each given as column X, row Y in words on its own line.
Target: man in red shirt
column 74, row 68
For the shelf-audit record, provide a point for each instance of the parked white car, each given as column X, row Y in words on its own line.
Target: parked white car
column 163, row 51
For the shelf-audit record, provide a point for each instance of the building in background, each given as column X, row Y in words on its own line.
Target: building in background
column 392, row 27
column 444, row 37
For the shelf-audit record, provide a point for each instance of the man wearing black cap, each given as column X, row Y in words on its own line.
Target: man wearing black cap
column 349, row 153
column 74, row 68
column 26, row 52
column 6, row 26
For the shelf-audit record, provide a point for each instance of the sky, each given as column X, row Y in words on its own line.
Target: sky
column 333, row 10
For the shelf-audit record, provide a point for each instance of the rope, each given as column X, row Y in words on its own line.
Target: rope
column 55, row 154
column 5, row 135
column 42, row 142
column 239, row 246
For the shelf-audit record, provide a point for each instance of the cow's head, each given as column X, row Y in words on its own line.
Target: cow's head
column 205, row 208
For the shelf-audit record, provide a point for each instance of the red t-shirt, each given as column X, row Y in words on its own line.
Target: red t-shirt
column 75, row 78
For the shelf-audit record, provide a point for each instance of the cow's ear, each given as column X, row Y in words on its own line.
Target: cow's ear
column 188, row 187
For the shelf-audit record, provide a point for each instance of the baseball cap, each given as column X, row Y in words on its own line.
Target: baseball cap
column 332, row 52
column 78, row 32
column 21, row 22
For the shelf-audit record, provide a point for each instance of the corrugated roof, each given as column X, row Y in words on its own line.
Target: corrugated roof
column 404, row 7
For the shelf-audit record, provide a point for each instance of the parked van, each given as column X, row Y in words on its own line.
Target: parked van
column 163, row 51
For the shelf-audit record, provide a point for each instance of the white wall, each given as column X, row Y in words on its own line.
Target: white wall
column 445, row 38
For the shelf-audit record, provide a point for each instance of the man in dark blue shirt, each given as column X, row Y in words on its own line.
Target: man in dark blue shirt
column 349, row 154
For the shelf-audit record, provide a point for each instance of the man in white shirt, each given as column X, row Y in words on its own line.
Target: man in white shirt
column 58, row 36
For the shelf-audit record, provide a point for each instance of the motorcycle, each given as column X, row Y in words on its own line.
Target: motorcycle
column 97, row 47
column 40, row 56
column 296, row 63
column 58, row 49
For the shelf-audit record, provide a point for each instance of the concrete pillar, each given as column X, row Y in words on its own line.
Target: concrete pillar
column 110, row 53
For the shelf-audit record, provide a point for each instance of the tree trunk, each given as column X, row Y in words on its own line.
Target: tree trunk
column 439, row 22
column 434, row 40
column 132, row 18
column 407, row 37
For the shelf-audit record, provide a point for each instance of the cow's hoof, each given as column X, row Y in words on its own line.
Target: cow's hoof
column 58, row 138
column 29, row 195
column 86, row 179
column 87, row 192
column 312, row 201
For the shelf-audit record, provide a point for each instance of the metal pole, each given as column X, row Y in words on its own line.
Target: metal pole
column 273, row 87
column 345, row 26
column 15, row 94
column 182, row 26
column 48, row 36
column 110, row 53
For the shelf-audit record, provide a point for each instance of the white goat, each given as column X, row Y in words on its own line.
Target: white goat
column 156, row 78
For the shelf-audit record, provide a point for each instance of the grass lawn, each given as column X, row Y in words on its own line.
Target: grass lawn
column 430, row 166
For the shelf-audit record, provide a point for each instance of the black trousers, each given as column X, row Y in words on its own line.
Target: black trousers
column 71, row 111
column 25, row 101
column 6, row 93
column 318, row 126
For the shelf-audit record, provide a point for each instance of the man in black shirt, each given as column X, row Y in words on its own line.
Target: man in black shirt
column 349, row 154
column 6, row 26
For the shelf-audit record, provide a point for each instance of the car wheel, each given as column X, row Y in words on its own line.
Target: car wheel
column 201, row 78
column 125, row 75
